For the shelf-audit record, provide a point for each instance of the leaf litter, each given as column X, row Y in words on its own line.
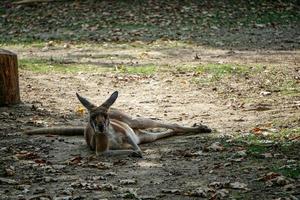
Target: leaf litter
column 193, row 166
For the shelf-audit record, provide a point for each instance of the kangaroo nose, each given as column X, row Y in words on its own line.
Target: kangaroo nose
column 101, row 128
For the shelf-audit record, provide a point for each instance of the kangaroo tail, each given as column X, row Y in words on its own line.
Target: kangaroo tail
column 67, row 131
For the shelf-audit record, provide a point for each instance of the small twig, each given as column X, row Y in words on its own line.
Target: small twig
column 294, row 138
column 32, row 1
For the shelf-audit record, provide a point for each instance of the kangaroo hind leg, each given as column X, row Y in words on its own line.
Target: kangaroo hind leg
column 147, row 137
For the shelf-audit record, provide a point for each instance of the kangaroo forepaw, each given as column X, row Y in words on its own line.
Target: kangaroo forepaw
column 137, row 154
column 202, row 128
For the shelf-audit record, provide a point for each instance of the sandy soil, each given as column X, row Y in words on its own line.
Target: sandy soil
column 183, row 167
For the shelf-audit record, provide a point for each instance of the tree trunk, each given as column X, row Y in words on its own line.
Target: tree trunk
column 9, row 79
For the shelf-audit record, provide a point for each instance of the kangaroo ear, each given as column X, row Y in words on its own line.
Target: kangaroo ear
column 111, row 100
column 88, row 105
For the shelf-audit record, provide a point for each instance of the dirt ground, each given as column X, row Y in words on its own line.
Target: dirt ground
column 232, row 65
column 208, row 166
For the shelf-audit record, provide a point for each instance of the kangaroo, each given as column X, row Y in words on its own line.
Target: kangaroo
column 111, row 132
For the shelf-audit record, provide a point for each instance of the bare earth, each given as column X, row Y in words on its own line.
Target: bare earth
column 183, row 167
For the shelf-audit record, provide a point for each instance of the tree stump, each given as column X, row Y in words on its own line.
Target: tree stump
column 9, row 79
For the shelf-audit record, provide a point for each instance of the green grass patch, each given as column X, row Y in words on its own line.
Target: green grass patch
column 284, row 142
column 290, row 87
column 139, row 70
column 213, row 72
column 256, row 149
column 60, row 66
column 285, row 134
column 291, row 171
column 220, row 70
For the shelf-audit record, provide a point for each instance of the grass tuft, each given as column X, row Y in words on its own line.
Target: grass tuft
column 60, row 66
column 139, row 70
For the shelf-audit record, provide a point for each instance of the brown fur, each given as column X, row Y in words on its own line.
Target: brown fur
column 111, row 132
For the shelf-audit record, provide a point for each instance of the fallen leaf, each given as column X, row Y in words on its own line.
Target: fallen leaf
column 74, row 161
column 100, row 165
column 265, row 93
column 171, row 191
column 280, row 180
column 80, row 110
column 289, row 187
column 127, row 181
column 220, row 194
column 198, row 192
column 26, row 155
column 238, row 185
column 8, row 181
column 267, row 155
column 216, row 146
column 10, row 171
column 269, row 176
column 256, row 131
column 217, row 185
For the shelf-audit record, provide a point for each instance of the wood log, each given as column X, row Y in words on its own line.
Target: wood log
column 9, row 79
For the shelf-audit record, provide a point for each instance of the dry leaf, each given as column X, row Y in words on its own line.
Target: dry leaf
column 80, row 110
column 256, row 131
column 199, row 192
column 76, row 160
column 216, row 146
column 267, row 155
column 26, row 155
column 220, row 194
column 127, row 181
column 238, row 185
column 269, row 176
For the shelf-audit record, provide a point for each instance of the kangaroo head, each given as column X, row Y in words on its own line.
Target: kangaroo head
column 98, row 115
